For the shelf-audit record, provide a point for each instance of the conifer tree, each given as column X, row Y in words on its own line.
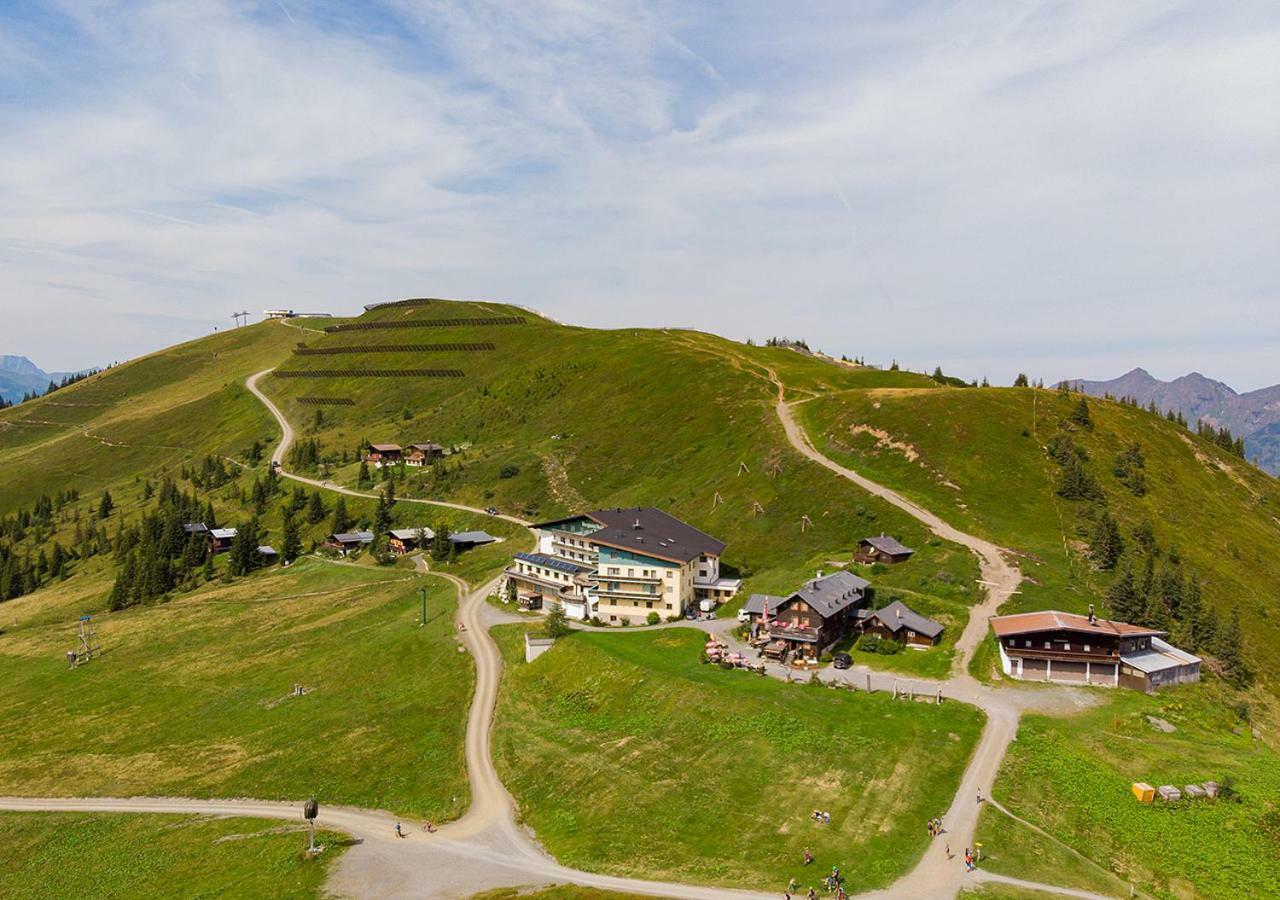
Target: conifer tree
column 1123, row 598
column 1230, row 653
column 1107, row 544
column 1022, row 380
column 244, row 556
column 363, row 477
column 105, row 505
column 291, row 542
column 341, row 520
column 1080, row 414
column 315, row 509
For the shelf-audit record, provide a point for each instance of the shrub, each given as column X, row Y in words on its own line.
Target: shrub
column 509, row 470
column 597, row 622
column 654, row 618
column 625, row 623
column 869, row 643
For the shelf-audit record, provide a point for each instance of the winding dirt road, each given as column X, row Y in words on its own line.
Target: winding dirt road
column 487, row 848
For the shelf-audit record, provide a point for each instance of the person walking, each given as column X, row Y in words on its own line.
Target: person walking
column 399, row 831
column 979, row 795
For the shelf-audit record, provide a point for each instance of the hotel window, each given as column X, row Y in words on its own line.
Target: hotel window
column 668, row 589
column 631, row 573
column 614, row 570
column 1048, row 645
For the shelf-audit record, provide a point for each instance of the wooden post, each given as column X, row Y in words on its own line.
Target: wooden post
column 938, row 702
column 911, row 691
column 868, row 682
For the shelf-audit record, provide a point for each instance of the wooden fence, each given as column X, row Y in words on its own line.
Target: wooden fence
column 326, row 401
column 371, row 373
column 427, row 323
column 394, row 348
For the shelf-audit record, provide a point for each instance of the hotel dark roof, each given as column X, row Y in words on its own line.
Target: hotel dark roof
column 651, row 532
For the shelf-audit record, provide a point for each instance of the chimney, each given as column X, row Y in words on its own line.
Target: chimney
column 898, row 610
column 819, row 573
column 636, row 526
column 1093, row 619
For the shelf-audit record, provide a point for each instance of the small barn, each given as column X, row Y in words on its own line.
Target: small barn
column 403, row 540
column 899, row 622
column 220, row 539
column 269, row 555
column 465, row 540
column 1159, row 665
column 882, row 549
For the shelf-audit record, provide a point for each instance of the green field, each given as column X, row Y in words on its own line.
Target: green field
column 127, row 856
column 977, row 458
column 193, row 697
column 626, row 756
column 1072, row 778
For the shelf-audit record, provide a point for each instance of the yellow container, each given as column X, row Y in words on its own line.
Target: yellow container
column 1144, row 792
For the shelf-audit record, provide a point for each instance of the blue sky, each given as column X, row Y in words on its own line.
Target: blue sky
column 1070, row 189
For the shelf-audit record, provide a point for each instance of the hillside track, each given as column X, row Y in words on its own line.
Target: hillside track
column 487, row 848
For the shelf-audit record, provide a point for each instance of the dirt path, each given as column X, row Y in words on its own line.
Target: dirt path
column 487, row 848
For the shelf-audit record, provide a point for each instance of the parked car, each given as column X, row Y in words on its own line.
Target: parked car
column 842, row 660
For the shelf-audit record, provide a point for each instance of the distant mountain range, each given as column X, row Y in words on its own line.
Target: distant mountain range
column 1254, row 415
column 19, row 375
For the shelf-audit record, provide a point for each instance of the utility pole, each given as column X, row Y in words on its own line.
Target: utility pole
column 423, row 592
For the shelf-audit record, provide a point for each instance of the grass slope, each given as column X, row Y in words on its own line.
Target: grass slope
column 193, row 698
column 124, row 856
column 627, row 756
column 976, row 458
column 581, row 417
column 1072, row 778
column 140, row 417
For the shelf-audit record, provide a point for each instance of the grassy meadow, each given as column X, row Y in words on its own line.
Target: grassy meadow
column 146, row 856
column 1072, row 778
column 627, row 756
column 194, row 697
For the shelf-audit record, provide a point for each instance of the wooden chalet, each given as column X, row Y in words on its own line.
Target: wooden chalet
column 220, row 539
column 418, row 455
column 882, row 549
column 814, row 617
column 384, row 454
column 1075, row 649
column 898, row 622
column 349, row 541
column 404, row 540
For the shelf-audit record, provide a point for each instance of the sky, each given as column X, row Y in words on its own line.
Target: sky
column 1066, row 189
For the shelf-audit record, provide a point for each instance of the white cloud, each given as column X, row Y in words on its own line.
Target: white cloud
column 1067, row 189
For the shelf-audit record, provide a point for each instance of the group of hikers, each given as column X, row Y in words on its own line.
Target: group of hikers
column 822, row 817
column 833, row 883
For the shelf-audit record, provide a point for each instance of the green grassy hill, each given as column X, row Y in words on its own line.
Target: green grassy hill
column 555, row 418
column 978, row 458
column 141, row 418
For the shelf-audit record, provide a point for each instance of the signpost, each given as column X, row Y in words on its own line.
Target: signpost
column 310, row 810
